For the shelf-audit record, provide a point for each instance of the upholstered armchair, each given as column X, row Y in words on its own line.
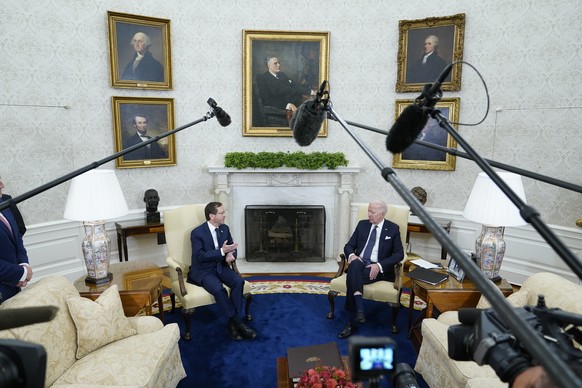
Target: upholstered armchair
column 381, row 291
column 178, row 224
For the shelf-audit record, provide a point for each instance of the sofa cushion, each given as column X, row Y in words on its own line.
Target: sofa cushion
column 143, row 360
column 517, row 299
column 58, row 335
column 99, row 322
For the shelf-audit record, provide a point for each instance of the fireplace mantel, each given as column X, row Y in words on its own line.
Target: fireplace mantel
column 288, row 186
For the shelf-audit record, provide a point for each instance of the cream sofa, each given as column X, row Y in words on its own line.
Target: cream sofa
column 433, row 362
column 147, row 355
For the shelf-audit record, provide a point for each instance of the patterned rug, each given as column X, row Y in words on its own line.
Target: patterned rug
column 290, row 285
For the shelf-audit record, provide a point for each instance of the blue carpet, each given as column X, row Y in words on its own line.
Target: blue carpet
column 212, row 359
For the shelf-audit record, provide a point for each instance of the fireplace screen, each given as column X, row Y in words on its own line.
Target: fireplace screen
column 285, row 233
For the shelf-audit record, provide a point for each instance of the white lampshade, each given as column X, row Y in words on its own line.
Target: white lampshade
column 488, row 205
column 95, row 195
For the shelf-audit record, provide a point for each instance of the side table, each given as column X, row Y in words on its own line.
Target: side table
column 139, row 283
column 134, row 228
column 450, row 295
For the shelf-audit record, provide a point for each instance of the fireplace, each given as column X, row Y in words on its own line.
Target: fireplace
column 331, row 189
column 285, row 233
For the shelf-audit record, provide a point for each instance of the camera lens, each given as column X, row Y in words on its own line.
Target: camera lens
column 404, row 376
column 9, row 375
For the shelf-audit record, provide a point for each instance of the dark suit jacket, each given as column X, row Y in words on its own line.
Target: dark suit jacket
column 390, row 250
column 16, row 214
column 205, row 256
column 151, row 151
column 428, row 72
column 12, row 254
column 148, row 69
column 278, row 92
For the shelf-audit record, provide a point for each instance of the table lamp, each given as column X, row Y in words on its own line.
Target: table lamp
column 95, row 196
column 489, row 206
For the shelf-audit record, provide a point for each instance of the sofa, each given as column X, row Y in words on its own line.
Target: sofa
column 92, row 343
column 433, row 362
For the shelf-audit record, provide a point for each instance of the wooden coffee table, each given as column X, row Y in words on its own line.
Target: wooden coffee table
column 139, row 283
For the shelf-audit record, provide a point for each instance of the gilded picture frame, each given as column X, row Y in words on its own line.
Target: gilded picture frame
column 148, row 36
column 152, row 117
column 417, row 39
column 419, row 157
column 300, row 60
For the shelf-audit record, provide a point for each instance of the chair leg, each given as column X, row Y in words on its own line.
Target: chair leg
column 173, row 299
column 249, row 299
column 395, row 309
column 331, row 298
column 186, row 314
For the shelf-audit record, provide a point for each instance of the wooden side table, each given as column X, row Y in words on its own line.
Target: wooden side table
column 139, row 283
column 134, row 228
column 447, row 296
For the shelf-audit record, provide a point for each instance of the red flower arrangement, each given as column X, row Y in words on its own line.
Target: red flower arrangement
column 324, row 377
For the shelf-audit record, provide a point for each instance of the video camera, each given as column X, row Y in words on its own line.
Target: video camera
column 485, row 338
column 372, row 358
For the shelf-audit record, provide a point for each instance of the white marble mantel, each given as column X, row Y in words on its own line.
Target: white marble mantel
column 288, row 186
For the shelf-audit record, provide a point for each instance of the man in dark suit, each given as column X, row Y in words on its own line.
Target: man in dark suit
column 278, row 90
column 15, row 272
column 213, row 250
column 427, row 68
column 372, row 251
column 151, row 151
column 143, row 66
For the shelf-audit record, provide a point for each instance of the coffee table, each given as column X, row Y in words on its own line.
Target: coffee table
column 139, row 283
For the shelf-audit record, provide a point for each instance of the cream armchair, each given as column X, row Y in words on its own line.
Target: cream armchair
column 381, row 291
column 178, row 224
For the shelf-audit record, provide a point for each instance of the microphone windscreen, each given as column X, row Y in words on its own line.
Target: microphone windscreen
column 306, row 123
column 222, row 117
column 406, row 128
column 11, row 318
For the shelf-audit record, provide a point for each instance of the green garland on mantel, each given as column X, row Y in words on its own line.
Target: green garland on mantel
column 300, row 160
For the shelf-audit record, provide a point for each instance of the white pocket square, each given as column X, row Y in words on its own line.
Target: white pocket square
column 387, row 238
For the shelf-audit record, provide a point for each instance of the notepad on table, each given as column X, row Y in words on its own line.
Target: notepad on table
column 424, row 264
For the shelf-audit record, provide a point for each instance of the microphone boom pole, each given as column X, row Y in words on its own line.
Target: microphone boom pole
column 525, row 332
column 503, row 166
column 71, row 175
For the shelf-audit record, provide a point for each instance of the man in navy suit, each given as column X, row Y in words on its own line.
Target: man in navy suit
column 15, row 272
column 213, row 250
column 373, row 250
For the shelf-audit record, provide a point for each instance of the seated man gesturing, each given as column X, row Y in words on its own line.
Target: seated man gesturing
column 213, row 250
column 373, row 250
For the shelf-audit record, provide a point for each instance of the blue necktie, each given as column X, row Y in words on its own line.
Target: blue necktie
column 370, row 245
column 219, row 264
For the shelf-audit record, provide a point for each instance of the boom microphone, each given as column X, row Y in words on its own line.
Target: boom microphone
column 413, row 118
column 308, row 118
column 221, row 116
column 11, row 318
column 406, row 128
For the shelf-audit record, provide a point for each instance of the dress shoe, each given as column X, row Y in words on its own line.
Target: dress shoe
column 234, row 333
column 348, row 330
column 361, row 318
column 245, row 331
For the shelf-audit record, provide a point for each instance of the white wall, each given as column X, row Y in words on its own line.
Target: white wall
column 55, row 105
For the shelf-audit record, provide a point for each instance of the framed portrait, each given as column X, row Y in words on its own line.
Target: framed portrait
column 425, row 48
column 455, row 270
column 140, row 52
column 281, row 70
column 137, row 120
column 419, row 157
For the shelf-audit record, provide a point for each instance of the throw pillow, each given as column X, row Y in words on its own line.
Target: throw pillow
column 99, row 322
